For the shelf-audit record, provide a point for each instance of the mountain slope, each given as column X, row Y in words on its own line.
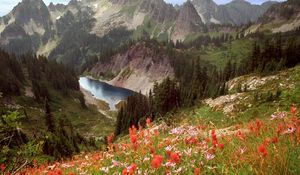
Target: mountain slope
column 280, row 18
column 29, row 22
column 260, row 139
column 136, row 68
column 237, row 12
column 188, row 21
column 71, row 33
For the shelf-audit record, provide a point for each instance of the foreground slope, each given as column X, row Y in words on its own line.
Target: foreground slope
column 261, row 138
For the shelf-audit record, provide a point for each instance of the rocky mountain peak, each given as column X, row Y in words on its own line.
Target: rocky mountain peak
column 188, row 21
column 121, row 2
column 240, row 2
column 28, row 10
column 206, row 9
column 159, row 10
column 58, row 7
column 188, row 13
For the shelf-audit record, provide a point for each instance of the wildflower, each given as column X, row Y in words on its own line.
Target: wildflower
column 178, row 170
column 243, row 150
column 157, row 161
column 281, row 115
column 215, row 143
column 275, row 140
column 279, row 128
column 152, row 150
column 156, row 132
column 258, row 124
column 262, row 150
column 2, row 166
column 175, row 157
column 290, row 130
column 125, row 171
column 293, row 109
column 129, row 170
column 177, row 131
column 191, row 140
column 110, row 138
column 267, row 141
column 188, row 152
column 197, row 171
column 34, row 163
column 240, row 135
column 148, row 122
column 209, row 156
column 71, row 173
column 133, row 138
column 221, row 145
column 115, row 163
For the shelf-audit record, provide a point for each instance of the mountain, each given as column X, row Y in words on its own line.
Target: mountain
column 136, row 68
column 237, row 12
column 29, row 22
column 281, row 17
column 187, row 22
column 82, row 29
column 207, row 9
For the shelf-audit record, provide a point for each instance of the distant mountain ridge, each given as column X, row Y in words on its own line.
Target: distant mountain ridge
column 281, row 17
column 83, row 28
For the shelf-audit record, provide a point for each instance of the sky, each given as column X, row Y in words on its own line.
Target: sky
column 7, row 5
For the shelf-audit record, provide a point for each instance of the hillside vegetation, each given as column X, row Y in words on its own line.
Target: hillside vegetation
column 44, row 117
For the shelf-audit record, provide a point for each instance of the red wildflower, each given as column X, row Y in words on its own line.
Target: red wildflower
column 267, row 141
column 191, row 140
column 110, row 138
column 148, row 122
column 125, row 171
column 262, row 150
column 157, row 161
column 175, row 157
column 197, row 171
column 71, row 173
column 221, row 145
column 152, row 150
column 133, row 138
column 156, row 132
column 275, row 140
column 58, row 172
column 240, row 135
column 293, row 109
column 213, row 132
column 2, row 167
column 258, row 124
column 215, row 143
column 279, row 128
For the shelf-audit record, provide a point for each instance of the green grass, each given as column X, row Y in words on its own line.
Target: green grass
column 89, row 122
column 234, row 51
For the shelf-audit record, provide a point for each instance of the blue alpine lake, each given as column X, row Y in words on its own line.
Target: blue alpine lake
column 103, row 91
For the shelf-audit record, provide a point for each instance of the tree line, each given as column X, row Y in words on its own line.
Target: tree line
column 196, row 79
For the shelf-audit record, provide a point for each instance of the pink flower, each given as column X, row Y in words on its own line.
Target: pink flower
column 209, row 156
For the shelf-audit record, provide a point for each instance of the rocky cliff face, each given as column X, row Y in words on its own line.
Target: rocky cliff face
column 241, row 12
column 207, row 9
column 236, row 12
column 188, row 21
column 27, row 23
column 59, row 30
column 281, row 17
column 159, row 10
column 138, row 68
